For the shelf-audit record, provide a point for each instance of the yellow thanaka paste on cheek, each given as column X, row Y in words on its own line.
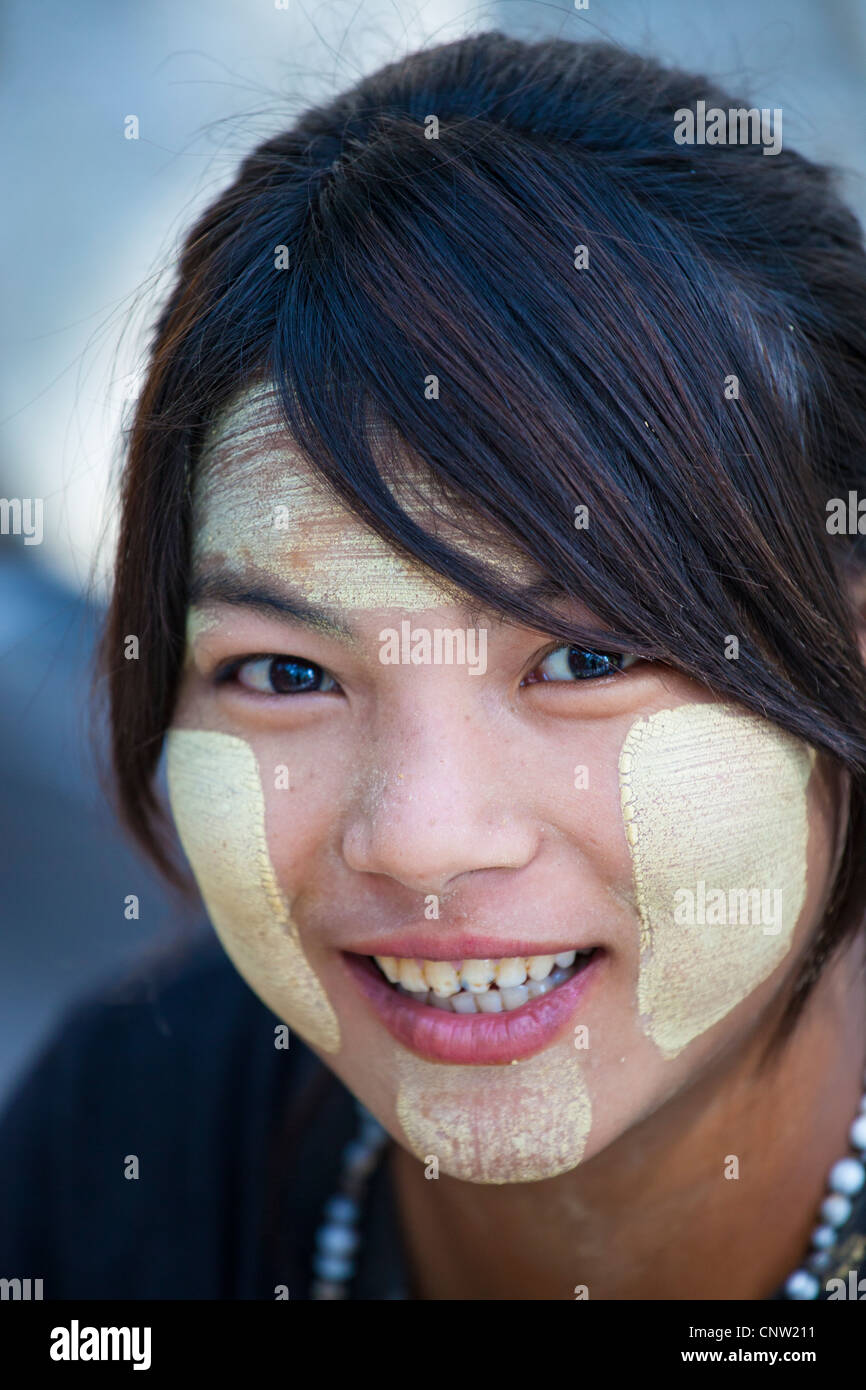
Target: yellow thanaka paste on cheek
column 715, row 797
column 496, row 1124
column 218, row 806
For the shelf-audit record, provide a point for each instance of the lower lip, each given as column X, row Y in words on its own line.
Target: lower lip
column 473, row 1039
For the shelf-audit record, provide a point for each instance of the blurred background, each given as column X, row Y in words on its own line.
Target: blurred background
column 92, row 224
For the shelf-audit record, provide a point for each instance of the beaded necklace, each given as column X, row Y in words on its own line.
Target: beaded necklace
column 338, row 1238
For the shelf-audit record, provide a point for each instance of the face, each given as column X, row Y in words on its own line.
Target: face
column 515, row 897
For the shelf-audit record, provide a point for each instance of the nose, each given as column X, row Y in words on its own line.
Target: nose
column 435, row 801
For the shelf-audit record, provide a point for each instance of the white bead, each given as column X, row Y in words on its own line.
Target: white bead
column 341, row 1209
column 802, row 1285
column 823, row 1237
column 372, row 1132
column 857, row 1133
column 358, row 1159
column 343, row 1240
column 819, row 1261
column 847, row 1176
column 332, row 1267
column 836, row 1209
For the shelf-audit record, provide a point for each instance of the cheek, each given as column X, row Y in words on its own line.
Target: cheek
column 218, row 806
column 715, row 811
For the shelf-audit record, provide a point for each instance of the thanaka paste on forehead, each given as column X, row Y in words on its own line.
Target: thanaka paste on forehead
column 216, row 798
column 258, row 503
column 710, row 794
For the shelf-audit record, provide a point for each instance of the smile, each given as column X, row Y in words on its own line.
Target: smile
column 480, row 986
column 476, row 1011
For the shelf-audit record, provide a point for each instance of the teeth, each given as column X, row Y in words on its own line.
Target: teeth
column 463, row 1003
column 534, row 988
column 490, row 1002
column 480, row 986
column 537, row 967
column 391, row 968
column 476, row 975
column 441, row 977
column 420, row 996
column 412, row 976
column 515, row 996
column 511, row 971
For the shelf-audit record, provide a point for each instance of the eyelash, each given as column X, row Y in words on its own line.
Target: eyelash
column 627, row 660
column 228, row 673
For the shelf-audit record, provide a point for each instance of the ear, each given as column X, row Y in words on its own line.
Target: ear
column 843, row 809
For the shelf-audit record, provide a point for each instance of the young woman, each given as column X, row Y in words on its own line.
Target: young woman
column 490, row 538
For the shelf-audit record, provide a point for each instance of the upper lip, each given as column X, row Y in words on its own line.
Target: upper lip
column 441, row 947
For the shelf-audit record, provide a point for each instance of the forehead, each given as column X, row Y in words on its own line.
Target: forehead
column 259, row 504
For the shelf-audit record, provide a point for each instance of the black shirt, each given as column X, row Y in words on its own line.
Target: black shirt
column 238, row 1145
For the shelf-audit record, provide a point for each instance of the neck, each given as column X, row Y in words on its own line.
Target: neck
column 653, row 1215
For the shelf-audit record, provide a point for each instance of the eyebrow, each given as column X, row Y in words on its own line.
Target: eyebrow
column 219, row 585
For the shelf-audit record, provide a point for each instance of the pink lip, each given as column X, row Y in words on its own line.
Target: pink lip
column 472, row 1039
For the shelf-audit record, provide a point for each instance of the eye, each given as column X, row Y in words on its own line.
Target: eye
column 280, row 675
column 577, row 663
